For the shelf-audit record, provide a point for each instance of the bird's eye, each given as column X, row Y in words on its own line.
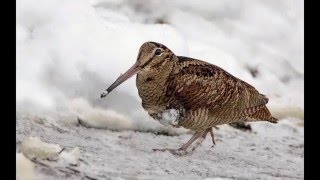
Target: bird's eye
column 158, row 52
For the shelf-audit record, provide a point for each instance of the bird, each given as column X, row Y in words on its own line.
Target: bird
column 192, row 93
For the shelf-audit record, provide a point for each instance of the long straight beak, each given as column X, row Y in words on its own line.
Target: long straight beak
column 132, row 71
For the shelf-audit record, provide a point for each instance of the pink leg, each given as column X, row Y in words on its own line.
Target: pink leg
column 212, row 137
column 201, row 136
column 183, row 148
column 194, row 137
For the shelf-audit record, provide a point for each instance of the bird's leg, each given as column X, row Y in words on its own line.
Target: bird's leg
column 183, row 148
column 202, row 138
column 212, row 137
column 194, row 137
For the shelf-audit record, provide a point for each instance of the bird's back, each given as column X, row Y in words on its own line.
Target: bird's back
column 211, row 96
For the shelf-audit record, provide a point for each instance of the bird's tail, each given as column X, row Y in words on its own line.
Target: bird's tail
column 273, row 120
column 263, row 115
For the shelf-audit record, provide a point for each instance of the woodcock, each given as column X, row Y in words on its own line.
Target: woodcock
column 192, row 93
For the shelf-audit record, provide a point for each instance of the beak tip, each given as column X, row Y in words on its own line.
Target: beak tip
column 104, row 94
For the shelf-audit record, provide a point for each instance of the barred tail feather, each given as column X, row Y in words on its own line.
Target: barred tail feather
column 273, row 120
column 263, row 115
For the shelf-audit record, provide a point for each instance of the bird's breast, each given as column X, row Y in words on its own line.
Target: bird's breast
column 151, row 90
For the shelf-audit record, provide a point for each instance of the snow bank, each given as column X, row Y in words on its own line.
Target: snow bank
column 75, row 49
column 98, row 117
column 33, row 147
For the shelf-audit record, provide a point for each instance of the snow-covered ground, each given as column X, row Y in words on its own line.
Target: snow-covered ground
column 269, row 152
column 68, row 52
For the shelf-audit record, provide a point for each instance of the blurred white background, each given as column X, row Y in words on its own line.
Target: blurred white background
column 68, row 51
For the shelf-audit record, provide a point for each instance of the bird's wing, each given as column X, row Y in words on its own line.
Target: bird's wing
column 197, row 84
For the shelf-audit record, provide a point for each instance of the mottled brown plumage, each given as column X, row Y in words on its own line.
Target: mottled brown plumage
column 203, row 94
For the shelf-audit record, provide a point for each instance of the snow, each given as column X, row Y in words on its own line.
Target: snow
column 269, row 152
column 24, row 168
column 72, row 157
column 33, row 147
column 68, row 52
column 104, row 93
column 169, row 117
column 98, row 117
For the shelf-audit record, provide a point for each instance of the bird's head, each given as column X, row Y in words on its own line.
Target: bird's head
column 151, row 56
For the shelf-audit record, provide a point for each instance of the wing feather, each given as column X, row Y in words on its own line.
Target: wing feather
column 200, row 84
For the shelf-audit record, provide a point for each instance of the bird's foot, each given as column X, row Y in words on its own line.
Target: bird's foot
column 179, row 152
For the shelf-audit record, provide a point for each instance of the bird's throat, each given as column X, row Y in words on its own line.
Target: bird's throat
column 151, row 86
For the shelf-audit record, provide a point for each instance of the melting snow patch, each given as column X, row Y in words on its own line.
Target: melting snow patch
column 24, row 168
column 169, row 117
column 71, row 158
column 33, row 147
column 98, row 117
